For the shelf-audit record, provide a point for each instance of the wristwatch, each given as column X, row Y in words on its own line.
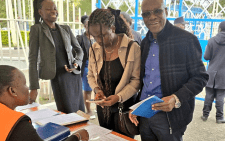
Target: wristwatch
column 177, row 101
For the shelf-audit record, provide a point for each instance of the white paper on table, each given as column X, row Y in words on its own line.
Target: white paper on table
column 34, row 104
column 41, row 114
column 110, row 137
column 64, row 119
column 95, row 131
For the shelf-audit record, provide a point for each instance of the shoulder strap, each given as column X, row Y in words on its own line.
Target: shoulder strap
column 128, row 50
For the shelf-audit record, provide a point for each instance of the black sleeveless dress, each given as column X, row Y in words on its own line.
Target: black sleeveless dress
column 116, row 70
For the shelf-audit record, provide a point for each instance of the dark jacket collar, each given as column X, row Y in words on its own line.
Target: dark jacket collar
column 162, row 34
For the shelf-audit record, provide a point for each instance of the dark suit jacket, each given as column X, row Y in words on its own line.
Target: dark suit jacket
column 42, row 60
column 181, row 69
column 85, row 45
column 214, row 52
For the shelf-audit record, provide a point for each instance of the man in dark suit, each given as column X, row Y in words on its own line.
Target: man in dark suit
column 172, row 69
column 137, row 36
column 215, row 87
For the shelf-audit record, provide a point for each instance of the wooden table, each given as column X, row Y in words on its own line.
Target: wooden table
column 77, row 126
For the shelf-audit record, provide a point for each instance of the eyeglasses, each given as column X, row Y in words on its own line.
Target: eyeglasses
column 156, row 12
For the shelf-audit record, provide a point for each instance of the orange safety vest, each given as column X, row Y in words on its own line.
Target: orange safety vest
column 8, row 120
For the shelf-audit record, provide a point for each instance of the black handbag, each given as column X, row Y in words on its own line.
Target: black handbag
column 125, row 125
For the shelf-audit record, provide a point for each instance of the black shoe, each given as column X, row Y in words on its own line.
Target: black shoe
column 204, row 118
column 220, row 121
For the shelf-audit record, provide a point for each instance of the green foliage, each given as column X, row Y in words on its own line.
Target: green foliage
column 3, row 11
column 124, row 8
column 85, row 6
column 4, row 37
column 76, row 2
column 188, row 3
column 5, row 40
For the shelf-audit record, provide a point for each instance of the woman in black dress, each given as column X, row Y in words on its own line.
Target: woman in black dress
column 109, row 76
column 51, row 45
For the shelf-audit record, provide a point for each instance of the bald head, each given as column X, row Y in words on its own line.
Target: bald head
column 149, row 2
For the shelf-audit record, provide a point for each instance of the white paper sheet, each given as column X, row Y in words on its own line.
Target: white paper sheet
column 135, row 106
column 96, row 131
column 34, row 104
column 110, row 137
column 63, row 119
column 41, row 114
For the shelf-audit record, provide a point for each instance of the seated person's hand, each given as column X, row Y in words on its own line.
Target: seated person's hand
column 82, row 135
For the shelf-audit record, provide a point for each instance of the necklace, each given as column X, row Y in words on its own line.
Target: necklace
column 109, row 52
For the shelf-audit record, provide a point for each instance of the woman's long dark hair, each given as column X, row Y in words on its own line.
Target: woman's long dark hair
column 37, row 5
column 107, row 17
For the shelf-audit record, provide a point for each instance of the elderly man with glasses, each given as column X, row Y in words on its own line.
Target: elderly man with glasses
column 171, row 69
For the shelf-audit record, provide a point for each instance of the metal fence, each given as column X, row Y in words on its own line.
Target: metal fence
column 14, row 34
column 203, row 16
column 14, row 48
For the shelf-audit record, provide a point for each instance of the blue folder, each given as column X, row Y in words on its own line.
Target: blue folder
column 53, row 132
column 144, row 108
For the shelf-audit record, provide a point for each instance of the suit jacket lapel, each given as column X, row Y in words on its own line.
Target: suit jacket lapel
column 47, row 33
column 66, row 37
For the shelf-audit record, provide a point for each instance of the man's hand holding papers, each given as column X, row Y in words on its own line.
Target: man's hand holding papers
column 144, row 109
column 167, row 105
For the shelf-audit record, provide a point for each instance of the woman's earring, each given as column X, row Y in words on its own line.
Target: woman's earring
column 40, row 20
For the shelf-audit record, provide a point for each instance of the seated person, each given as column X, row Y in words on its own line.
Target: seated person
column 16, row 126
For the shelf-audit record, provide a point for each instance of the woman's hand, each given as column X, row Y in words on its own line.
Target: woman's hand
column 109, row 101
column 71, row 70
column 133, row 118
column 33, row 96
column 99, row 95
column 82, row 135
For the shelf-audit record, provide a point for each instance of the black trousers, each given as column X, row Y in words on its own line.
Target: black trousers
column 156, row 128
column 211, row 94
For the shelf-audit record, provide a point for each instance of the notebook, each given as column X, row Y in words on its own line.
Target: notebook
column 144, row 107
column 53, row 132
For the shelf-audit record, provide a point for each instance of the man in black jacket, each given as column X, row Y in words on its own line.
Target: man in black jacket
column 215, row 87
column 171, row 69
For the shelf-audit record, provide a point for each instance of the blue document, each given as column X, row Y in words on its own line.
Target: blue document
column 144, row 107
column 53, row 132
